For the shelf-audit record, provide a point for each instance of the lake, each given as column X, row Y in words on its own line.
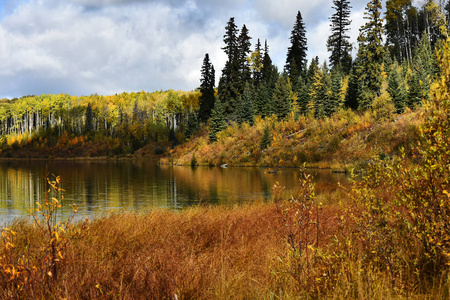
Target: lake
column 103, row 186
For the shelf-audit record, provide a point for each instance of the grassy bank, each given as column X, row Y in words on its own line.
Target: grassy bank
column 205, row 253
column 200, row 253
column 345, row 140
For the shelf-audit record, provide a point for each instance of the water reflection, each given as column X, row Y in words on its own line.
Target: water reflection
column 99, row 186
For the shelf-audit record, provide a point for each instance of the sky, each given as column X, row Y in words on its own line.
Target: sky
column 84, row 47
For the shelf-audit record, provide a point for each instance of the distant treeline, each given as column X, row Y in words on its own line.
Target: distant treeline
column 134, row 118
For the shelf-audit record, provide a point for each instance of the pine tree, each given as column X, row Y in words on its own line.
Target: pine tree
column 351, row 97
column 207, row 83
column 192, row 125
column 256, row 66
column 268, row 68
column 262, row 103
column 228, row 83
column 320, row 94
column 269, row 80
column 296, row 55
column 266, row 138
column 415, row 91
column 397, row 89
column 217, row 121
column 338, row 43
column 370, row 55
column 336, row 94
column 281, row 97
column 243, row 52
column 303, row 97
column 312, row 69
column 247, row 112
column 425, row 64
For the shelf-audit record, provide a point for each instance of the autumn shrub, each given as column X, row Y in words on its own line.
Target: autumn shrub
column 403, row 228
column 383, row 108
column 34, row 255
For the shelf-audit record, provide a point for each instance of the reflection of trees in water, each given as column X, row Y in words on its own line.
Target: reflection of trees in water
column 89, row 192
column 138, row 185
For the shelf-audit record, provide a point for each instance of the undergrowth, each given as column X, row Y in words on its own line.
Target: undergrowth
column 342, row 141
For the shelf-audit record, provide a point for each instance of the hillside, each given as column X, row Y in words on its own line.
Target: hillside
column 344, row 140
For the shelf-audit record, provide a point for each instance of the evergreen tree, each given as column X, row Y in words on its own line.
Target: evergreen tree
column 207, row 83
column 303, row 97
column 257, row 64
column 268, row 68
column 266, row 138
column 296, row 55
column 217, row 121
column 281, row 97
column 243, row 52
column 192, row 125
column 320, row 94
column 415, row 91
column 338, row 43
column 228, row 83
column 425, row 64
column 351, row 97
column 336, row 94
column 247, row 112
column 312, row 69
column 262, row 102
column 397, row 89
column 370, row 55
column 269, row 80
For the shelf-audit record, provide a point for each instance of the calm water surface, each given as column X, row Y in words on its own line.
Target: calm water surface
column 100, row 186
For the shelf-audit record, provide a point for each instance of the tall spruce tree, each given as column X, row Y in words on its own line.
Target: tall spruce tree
column 281, row 97
column 351, row 97
column 228, row 83
column 207, row 84
column 218, row 122
column 243, row 52
column 257, row 64
column 246, row 112
column 336, row 93
column 425, row 64
column 396, row 88
column 296, row 55
column 269, row 80
column 338, row 42
column 415, row 91
column 370, row 55
column 320, row 93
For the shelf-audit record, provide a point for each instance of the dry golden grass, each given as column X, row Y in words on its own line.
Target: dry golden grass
column 236, row 252
column 200, row 253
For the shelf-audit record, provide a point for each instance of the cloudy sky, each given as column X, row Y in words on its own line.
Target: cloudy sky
column 82, row 47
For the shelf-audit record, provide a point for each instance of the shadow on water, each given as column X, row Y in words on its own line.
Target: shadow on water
column 99, row 186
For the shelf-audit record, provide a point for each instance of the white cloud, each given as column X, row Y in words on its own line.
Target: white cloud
column 109, row 46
